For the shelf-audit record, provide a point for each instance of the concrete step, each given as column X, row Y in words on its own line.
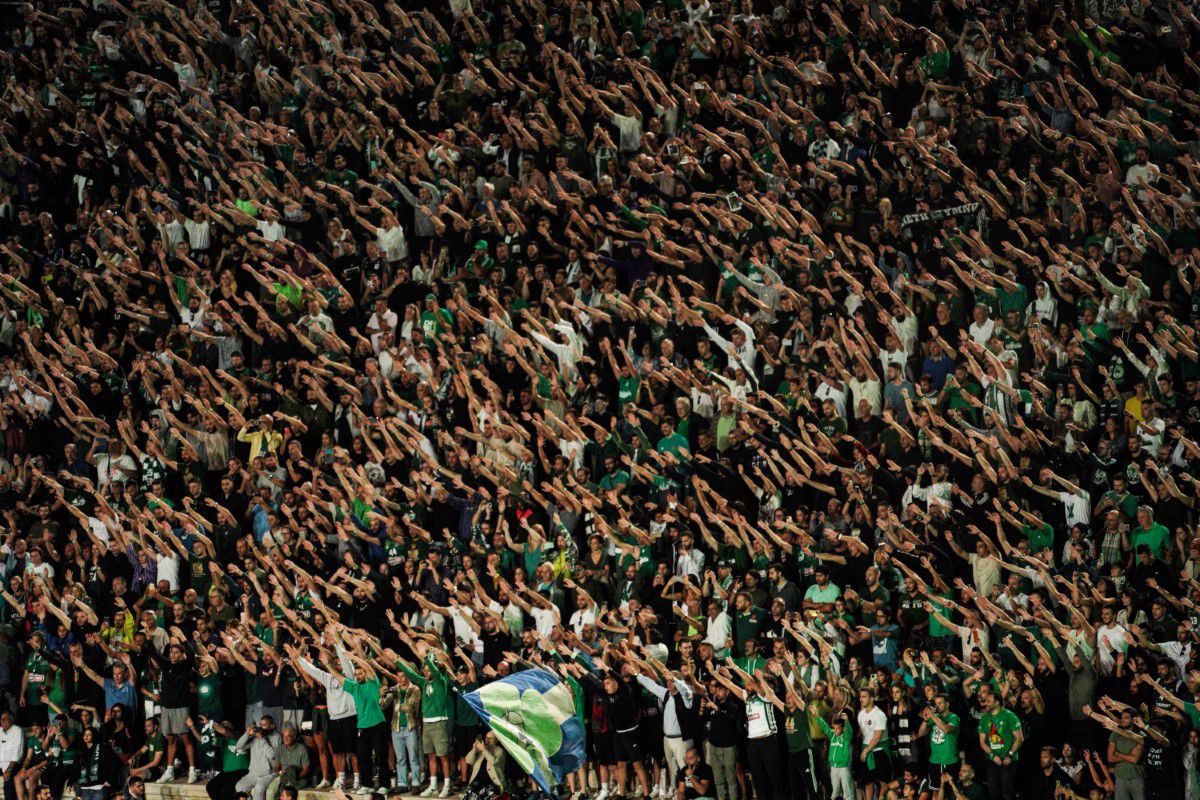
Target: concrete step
column 184, row 791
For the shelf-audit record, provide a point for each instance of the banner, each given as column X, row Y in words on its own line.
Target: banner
column 938, row 214
column 532, row 713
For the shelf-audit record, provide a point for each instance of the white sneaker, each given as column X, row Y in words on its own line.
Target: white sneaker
column 324, row 784
column 357, row 784
column 603, row 793
column 430, row 789
column 167, row 776
column 655, row 792
column 363, row 790
column 445, row 792
column 193, row 775
column 340, row 781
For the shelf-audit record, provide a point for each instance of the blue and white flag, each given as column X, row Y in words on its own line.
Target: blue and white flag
column 532, row 713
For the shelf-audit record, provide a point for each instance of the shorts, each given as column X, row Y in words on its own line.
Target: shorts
column 343, row 735
column 435, row 738
column 628, row 746
column 936, row 771
column 650, row 740
column 605, row 748
column 464, row 739
column 320, row 721
column 882, row 771
column 172, row 721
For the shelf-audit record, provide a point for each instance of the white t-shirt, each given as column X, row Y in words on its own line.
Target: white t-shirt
column 870, row 721
column 1077, row 508
column 869, row 390
column 582, row 618
column 459, row 616
column 168, row 570
column 1110, row 640
column 271, row 231
column 630, row 128
column 1152, row 441
column 970, row 638
column 109, row 469
column 392, row 243
column 981, row 332
column 826, row 392
column 1178, row 653
column 760, row 717
column 388, row 323
column 199, row 233
column 543, row 620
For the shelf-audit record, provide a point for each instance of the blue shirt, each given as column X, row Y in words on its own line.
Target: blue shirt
column 126, row 695
column 886, row 649
column 938, row 369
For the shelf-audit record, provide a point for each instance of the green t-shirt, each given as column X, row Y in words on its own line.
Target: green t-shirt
column 34, row 745
column 746, row 625
column 618, row 477
column 936, row 65
column 826, row 594
column 1000, row 731
column 627, row 389
column 464, row 715
column 233, row 759
column 208, row 688
column 366, row 701
column 1155, row 537
column 1039, row 538
column 435, row 692
column 434, row 323
column 943, row 745
column 674, row 444
column 154, row 745
column 796, row 728
column 1126, row 503
column 1123, row 769
column 750, row 664
column 937, row 629
column 38, row 670
column 1193, row 714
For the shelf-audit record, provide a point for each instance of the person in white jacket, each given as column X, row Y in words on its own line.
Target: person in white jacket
column 342, row 715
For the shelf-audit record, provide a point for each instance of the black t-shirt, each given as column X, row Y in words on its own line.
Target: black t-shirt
column 691, row 777
column 1042, row 786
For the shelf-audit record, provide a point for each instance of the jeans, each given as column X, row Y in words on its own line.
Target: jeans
column 407, row 746
column 723, row 761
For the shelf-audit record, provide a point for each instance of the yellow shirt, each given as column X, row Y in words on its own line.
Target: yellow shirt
column 260, row 441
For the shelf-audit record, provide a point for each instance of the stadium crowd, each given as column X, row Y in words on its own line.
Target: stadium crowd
column 815, row 388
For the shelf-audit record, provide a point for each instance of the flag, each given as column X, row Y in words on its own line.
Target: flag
column 532, row 714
